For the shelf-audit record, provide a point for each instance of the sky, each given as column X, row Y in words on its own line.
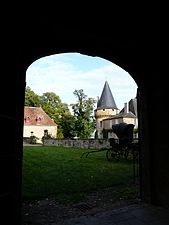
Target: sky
column 67, row 72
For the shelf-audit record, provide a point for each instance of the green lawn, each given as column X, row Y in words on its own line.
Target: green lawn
column 60, row 172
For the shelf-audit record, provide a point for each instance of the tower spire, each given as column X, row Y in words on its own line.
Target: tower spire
column 106, row 100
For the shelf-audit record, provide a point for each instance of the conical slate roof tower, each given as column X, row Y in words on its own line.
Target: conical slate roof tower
column 106, row 100
column 106, row 108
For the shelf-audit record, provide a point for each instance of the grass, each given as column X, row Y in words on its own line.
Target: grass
column 61, row 173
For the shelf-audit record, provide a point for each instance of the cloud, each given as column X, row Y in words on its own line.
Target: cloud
column 64, row 73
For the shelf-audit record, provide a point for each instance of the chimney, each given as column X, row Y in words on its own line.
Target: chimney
column 126, row 110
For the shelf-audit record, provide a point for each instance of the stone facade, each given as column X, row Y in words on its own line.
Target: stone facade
column 106, row 117
column 101, row 115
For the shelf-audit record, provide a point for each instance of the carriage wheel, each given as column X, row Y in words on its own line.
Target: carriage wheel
column 112, row 155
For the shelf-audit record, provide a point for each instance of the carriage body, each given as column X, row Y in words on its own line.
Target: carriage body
column 123, row 145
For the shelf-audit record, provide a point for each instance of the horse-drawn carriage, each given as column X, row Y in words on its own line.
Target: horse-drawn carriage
column 121, row 147
column 124, row 145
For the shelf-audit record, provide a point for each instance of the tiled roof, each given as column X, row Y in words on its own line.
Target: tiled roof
column 37, row 116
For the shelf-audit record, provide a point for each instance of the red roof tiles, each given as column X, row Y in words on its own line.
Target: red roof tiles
column 37, row 116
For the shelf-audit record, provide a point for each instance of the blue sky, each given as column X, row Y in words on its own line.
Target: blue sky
column 65, row 73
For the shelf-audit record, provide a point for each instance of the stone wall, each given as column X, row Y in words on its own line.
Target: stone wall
column 79, row 143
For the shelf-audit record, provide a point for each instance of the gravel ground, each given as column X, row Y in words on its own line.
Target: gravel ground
column 49, row 212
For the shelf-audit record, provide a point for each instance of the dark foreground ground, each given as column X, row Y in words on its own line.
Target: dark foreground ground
column 99, row 209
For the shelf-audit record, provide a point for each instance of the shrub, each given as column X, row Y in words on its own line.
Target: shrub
column 33, row 139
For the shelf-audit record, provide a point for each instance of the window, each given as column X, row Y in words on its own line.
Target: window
column 111, row 123
column 116, row 121
column 101, row 124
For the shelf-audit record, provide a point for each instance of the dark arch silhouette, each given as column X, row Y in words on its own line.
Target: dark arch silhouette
column 139, row 52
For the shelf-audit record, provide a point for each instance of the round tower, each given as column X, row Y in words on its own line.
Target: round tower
column 106, row 108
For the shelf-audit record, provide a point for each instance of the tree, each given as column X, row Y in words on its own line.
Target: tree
column 52, row 105
column 58, row 111
column 31, row 99
column 68, row 122
column 83, row 114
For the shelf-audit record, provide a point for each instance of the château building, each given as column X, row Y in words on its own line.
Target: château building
column 107, row 113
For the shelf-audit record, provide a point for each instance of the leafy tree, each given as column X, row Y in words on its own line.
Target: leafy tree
column 68, row 125
column 51, row 104
column 31, row 99
column 83, row 114
column 58, row 111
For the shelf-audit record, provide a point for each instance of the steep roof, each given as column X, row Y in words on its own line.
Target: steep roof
column 132, row 106
column 106, row 100
column 37, row 116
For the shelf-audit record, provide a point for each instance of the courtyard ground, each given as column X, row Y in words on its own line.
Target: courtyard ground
column 100, row 209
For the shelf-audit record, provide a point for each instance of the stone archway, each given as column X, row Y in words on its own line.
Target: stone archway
column 139, row 57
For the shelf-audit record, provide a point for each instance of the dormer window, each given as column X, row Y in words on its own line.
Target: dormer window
column 38, row 119
column 27, row 119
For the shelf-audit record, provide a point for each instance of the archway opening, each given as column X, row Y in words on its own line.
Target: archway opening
column 90, row 76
